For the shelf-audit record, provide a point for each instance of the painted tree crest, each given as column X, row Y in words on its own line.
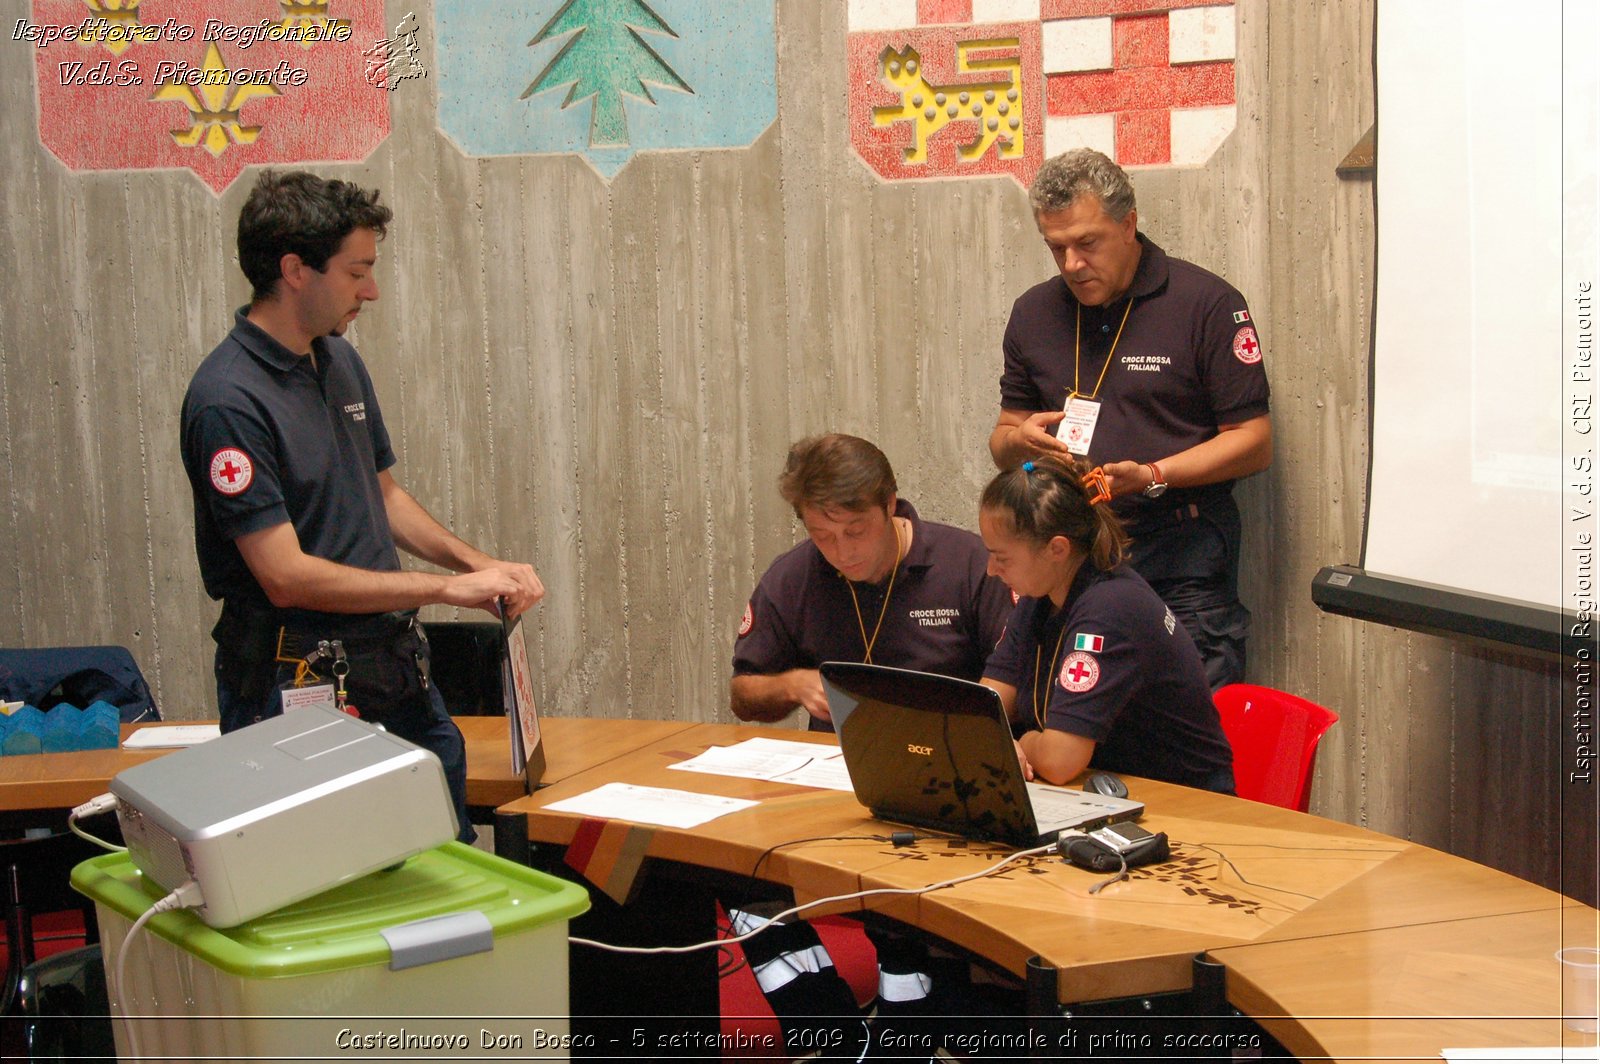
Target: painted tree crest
column 606, row 58
column 605, row 79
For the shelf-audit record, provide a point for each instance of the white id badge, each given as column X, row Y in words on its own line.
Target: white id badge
column 306, row 697
column 1076, row 430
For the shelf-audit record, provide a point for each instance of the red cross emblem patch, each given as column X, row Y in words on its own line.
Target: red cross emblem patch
column 748, row 622
column 1080, row 671
column 231, row 471
column 1245, row 346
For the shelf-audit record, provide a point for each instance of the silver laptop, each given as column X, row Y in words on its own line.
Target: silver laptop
column 936, row 752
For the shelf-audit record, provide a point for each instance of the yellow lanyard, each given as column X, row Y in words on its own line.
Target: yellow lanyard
column 1077, row 345
column 882, row 610
column 1038, row 706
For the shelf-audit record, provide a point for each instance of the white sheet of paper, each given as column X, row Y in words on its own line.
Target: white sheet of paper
column 779, row 760
column 1494, row 1056
column 650, row 805
column 827, row 773
column 171, row 735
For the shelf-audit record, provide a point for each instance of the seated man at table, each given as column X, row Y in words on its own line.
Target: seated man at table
column 871, row 582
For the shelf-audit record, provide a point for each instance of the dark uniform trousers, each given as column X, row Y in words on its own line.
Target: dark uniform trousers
column 1190, row 558
column 387, row 685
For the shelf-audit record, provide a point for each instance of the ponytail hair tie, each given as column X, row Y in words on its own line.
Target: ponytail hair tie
column 1027, row 467
column 1096, row 479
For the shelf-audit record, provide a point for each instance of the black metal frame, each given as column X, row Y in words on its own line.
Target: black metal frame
column 1192, row 1024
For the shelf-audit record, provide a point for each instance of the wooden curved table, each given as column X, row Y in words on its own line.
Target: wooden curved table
column 1342, row 942
column 45, row 783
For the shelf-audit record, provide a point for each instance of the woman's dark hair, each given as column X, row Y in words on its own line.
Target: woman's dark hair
column 1046, row 497
column 836, row 472
column 301, row 214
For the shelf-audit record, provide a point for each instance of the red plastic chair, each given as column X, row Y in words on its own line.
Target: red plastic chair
column 1274, row 736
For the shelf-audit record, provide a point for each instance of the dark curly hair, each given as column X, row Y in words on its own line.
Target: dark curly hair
column 299, row 213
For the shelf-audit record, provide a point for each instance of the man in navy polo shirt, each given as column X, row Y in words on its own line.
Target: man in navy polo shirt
column 297, row 511
column 872, row 582
column 1151, row 367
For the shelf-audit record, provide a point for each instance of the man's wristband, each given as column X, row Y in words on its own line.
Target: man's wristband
column 1157, row 487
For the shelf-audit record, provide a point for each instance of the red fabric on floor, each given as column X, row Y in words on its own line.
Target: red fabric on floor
column 744, row 1009
column 46, row 929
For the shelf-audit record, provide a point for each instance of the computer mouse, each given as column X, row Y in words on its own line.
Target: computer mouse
column 1106, row 783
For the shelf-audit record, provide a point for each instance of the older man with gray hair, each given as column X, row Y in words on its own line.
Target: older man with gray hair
column 1151, row 367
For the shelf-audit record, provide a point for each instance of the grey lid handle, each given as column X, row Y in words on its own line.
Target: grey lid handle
column 438, row 938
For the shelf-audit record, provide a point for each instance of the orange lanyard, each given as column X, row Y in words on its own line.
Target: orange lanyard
column 882, row 610
column 1039, row 707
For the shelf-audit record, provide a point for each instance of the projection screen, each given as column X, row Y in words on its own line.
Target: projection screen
column 1482, row 452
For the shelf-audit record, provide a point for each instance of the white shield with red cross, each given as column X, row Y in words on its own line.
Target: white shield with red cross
column 231, row 471
column 1080, row 671
column 1246, row 348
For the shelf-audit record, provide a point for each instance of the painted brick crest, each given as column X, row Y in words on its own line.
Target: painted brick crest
column 952, row 88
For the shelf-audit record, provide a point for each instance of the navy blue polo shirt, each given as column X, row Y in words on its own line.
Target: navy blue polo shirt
column 1116, row 667
column 1188, row 360
column 267, row 438
column 944, row 613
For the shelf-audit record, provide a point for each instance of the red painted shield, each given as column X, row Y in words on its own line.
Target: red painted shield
column 209, row 85
column 939, row 90
column 948, row 101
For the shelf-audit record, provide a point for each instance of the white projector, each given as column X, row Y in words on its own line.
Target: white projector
column 284, row 809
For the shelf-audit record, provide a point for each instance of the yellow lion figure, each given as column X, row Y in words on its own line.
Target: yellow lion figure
column 995, row 105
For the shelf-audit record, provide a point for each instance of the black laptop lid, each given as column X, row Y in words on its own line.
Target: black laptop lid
column 930, row 750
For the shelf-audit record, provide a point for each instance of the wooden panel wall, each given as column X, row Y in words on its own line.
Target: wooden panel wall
column 603, row 379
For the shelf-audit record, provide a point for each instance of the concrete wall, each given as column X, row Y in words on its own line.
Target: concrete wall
column 602, row 379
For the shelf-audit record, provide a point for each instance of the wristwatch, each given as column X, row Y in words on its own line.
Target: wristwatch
column 1157, row 487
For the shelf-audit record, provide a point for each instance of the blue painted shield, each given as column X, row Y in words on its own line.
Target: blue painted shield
column 605, row 78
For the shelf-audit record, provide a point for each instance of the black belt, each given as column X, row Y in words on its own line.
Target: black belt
column 374, row 632
column 248, row 622
column 253, row 643
column 1149, row 519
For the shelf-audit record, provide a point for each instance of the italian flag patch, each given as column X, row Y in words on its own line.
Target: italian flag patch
column 1085, row 641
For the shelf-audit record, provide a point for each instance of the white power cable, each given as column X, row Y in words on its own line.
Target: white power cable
column 187, row 896
column 875, row 892
column 94, row 806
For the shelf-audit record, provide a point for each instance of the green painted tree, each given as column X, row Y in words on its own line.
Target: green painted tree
column 607, row 58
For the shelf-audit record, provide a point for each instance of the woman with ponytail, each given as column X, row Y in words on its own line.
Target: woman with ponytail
column 1093, row 667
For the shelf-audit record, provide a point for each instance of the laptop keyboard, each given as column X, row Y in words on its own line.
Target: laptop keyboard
column 1052, row 804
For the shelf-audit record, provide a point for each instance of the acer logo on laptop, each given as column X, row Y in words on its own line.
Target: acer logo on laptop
column 925, row 751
